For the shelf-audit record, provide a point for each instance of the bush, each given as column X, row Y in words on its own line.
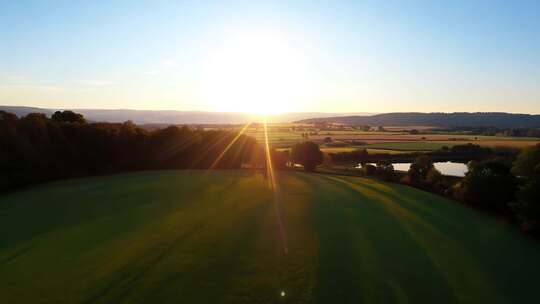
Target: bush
column 385, row 171
column 527, row 207
column 490, row 185
column 369, row 169
column 422, row 174
column 436, row 181
column 406, row 180
column 456, row 191
column 527, row 161
column 434, row 176
column 419, row 169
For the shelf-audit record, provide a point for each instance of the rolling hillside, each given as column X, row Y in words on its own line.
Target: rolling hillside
column 170, row 117
column 499, row 120
column 214, row 237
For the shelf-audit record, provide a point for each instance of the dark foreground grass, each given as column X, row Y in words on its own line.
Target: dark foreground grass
column 196, row 237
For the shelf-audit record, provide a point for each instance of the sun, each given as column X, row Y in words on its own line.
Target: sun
column 256, row 72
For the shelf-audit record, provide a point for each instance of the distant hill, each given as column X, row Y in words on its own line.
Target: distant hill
column 170, row 117
column 22, row 111
column 461, row 119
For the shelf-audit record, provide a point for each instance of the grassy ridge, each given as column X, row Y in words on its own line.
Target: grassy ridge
column 196, row 237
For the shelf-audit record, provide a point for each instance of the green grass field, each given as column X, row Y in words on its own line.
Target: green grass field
column 411, row 146
column 386, row 151
column 213, row 237
column 352, row 148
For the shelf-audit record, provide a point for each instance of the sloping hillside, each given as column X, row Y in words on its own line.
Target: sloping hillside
column 216, row 237
column 500, row 120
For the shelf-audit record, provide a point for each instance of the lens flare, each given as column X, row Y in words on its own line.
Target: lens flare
column 276, row 190
column 220, row 156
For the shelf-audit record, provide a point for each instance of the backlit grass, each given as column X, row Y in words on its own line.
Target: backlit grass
column 212, row 237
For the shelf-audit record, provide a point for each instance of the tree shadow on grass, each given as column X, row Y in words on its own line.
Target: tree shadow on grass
column 363, row 254
column 468, row 281
column 487, row 241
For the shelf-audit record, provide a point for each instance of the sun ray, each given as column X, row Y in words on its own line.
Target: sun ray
column 269, row 169
column 175, row 147
column 211, row 145
column 276, row 190
column 220, row 156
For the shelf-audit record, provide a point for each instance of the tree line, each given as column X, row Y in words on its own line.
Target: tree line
column 463, row 152
column 35, row 148
column 506, row 186
column 492, row 131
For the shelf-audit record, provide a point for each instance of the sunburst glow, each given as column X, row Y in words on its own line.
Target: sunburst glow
column 258, row 72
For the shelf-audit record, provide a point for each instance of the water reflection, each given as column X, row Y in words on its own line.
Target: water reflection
column 446, row 168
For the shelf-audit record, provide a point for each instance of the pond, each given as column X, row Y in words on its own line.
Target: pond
column 446, row 168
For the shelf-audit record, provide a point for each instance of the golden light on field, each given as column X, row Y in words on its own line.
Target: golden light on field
column 274, row 186
column 255, row 72
column 270, row 175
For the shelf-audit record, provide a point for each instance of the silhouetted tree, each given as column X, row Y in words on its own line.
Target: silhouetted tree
column 307, row 154
column 369, row 169
column 385, row 171
column 419, row 169
column 527, row 208
column 279, row 159
column 68, row 116
column 35, row 148
column 489, row 184
column 526, row 162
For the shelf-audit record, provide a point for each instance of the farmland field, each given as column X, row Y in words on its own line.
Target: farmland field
column 436, row 145
column 387, row 151
column 215, row 237
column 368, row 149
column 281, row 136
column 410, row 146
column 339, row 149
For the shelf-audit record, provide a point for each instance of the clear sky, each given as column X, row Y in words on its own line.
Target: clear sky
column 330, row 56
